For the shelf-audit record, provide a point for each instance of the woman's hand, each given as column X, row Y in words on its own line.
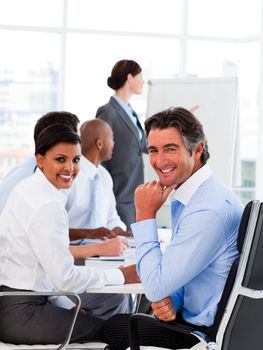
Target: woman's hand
column 114, row 246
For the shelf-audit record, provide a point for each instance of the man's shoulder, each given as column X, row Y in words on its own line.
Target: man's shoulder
column 13, row 178
column 212, row 195
column 20, row 172
column 81, row 181
column 104, row 174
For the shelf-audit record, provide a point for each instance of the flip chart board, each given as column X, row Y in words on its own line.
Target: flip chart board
column 215, row 103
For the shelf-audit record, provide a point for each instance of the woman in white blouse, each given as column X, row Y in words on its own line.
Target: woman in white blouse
column 34, row 252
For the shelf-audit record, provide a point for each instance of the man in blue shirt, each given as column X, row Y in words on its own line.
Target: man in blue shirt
column 186, row 280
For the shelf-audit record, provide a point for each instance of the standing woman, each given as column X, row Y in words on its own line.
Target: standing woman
column 126, row 164
column 34, row 254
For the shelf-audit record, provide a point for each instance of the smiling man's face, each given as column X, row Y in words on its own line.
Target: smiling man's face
column 170, row 158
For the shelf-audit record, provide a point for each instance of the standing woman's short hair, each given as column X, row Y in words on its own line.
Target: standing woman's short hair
column 120, row 72
column 54, row 134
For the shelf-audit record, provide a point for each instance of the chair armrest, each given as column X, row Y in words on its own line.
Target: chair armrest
column 133, row 327
column 75, row 313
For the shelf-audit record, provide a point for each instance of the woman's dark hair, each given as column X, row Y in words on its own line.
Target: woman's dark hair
column 65, row 118
column 185, row 122
column 120, row 72
column 54, row 134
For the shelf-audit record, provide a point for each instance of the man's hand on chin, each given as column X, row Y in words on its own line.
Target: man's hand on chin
column 149, row 198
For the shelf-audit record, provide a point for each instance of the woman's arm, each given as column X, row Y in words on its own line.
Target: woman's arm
column 114, row 246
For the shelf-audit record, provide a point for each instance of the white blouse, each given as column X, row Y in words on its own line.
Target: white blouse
column 34, row 236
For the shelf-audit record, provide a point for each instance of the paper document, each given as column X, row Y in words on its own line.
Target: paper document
column 97, row 240
column 107, row 258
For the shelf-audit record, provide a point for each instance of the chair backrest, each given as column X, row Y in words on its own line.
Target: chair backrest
column 243, row 226
column 241, row 326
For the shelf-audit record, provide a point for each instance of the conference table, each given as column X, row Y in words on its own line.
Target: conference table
column 135, row 289
column 127, row 259
column 114, row 263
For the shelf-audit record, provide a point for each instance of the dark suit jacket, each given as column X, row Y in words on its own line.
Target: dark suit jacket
column 126, row 165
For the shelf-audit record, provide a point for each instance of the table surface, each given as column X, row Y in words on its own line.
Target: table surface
column 133, row 288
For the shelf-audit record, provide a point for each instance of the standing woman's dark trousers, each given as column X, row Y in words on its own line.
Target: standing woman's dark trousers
column 32, row 320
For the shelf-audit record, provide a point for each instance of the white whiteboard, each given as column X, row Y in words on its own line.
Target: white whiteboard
column 217, row 101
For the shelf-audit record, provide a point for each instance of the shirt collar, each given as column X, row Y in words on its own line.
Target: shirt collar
column 126, row 106
column 185, row 192
column 88, row 167
column 42, row 179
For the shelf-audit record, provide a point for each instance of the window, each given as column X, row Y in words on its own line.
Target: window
column 57, row 54
column 224, row 18
column 209, row 58
column 31, row 12
column 89, row 71
column 147, row 16
column 28, row 88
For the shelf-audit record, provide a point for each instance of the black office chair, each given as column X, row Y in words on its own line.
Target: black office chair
column 238, row 323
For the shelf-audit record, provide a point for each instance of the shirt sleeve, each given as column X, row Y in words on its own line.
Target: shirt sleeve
column 49, row 239
column 198, row 241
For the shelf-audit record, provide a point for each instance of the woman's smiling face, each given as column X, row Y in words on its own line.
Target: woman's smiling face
column 60, row 164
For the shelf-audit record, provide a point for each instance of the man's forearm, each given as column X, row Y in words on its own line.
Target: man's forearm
column 99, row 232
column 79, row 233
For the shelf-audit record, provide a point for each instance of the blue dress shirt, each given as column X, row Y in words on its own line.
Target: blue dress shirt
column 17, row 174
column 194, row 267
